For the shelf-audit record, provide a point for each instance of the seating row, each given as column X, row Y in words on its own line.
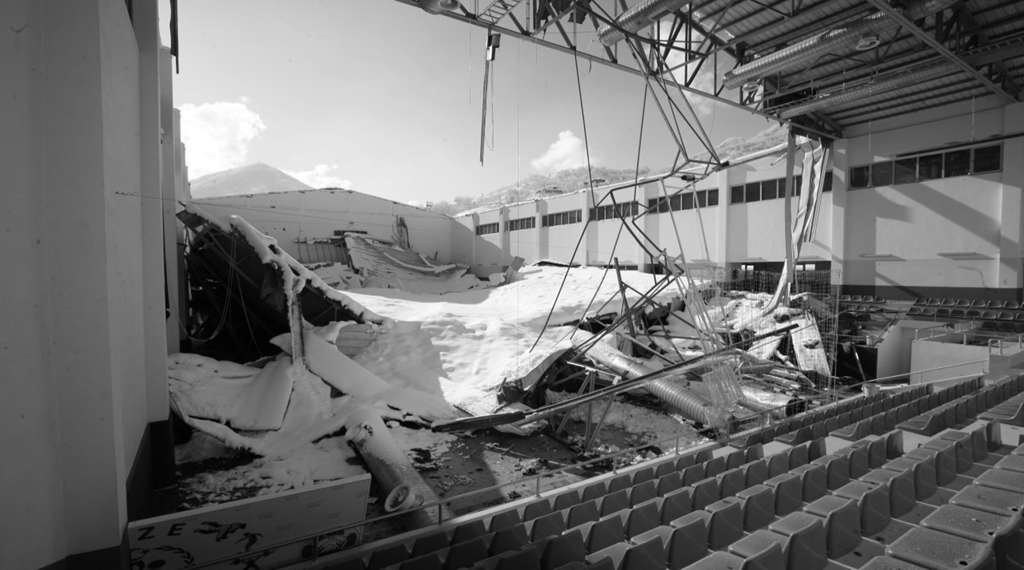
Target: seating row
column 798, row 508
column 967, row 303
column 966, row 314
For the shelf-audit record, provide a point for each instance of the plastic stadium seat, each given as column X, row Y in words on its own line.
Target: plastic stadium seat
column 956, row 314
column 994, row 304
column 844, row 298
column 942, row 313
column 921, row 301
column 934, row 302
column 914, row 311
column 963, row 303
column 979, row 304
column 842, row 523
column 948, row 302
column 932, row 549
column 972, row 314
column 989, row 315
column 857, row 298
column 1013, row 305
column 927, row 312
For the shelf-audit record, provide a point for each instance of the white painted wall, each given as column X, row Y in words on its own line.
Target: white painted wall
column 288, row 216
column 32, row 494
column 915, row 222
column 73, row 348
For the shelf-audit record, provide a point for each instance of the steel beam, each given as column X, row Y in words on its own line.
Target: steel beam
column 571, row 50
column 942, row 50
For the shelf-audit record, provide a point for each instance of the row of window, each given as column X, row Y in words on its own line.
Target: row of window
column 562, row 218
column 521, row 224
column 962, row 162
column 484, row 229
column 771, row 189
column 613, row 211
column 687, row 201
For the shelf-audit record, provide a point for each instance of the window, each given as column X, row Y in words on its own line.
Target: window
column 798, row 183
column 613, row 211
column 562, row 218
column 484, row 229
column 769, row 189
column 737, row 194
column 929, row 167
column 702, row 199
column 987, row 159
column 859, row 177
column 712, row 197
column 663, row 205
column 521, row 224
column 676, row 202
column 905, row 171
column 957, row 163
column 752, row 192
column 828, row 181
column 687, row 200
column 881, row 174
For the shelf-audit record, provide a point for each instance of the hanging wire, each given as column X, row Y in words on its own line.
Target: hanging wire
column 590, row 178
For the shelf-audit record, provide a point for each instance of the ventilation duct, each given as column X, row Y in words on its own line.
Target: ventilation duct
column 439, row 6
column 692, row 406
column 405, row 488
column 637, row 17
column 1006, row 48
column 900, row 79
column 867, row 41
column 838, row 40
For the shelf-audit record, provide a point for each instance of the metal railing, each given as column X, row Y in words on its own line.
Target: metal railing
column 1002, row 342
column 982, row 369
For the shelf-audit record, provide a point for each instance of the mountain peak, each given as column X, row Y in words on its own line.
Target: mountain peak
column 255, row 178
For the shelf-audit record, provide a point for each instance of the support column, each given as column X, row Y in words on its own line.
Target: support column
column 721, row 253
column 1012, row 210
column 840, row 178
column 92, row 159
column 169, row 184
column 154, row 315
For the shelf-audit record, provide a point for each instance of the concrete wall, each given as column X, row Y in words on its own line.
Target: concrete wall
column 756, row 230
column 289, row 216
column 913, row 223
column 73, row 348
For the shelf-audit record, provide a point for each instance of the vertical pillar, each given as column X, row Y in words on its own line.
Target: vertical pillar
column 1012, row 210
column 652, row 223
column 721, row 253
column 788, row 212
column 505, row 237
column 840, row 178
column 168, row 182
column 154, row 318
column 541, row 232
column 90, row 102
column 590, row 240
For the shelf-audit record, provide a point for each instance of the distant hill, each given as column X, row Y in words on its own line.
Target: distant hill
column 735, row 147
column 574, row 179
column 563, row 181
column 257, row 178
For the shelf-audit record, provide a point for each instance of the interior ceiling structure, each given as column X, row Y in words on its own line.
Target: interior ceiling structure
column 824, row 65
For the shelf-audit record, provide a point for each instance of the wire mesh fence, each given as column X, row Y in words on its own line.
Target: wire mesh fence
column 745, row 296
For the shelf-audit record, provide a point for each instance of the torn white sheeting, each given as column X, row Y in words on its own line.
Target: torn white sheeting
column 246, row 398
column 266, row 247
column 471, row 340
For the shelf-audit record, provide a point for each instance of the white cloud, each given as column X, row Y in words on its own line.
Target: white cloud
column 217, row 135
column 568, row 151
column 320, row 177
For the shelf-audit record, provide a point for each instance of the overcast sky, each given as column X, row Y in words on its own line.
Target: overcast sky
column 384, row 98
